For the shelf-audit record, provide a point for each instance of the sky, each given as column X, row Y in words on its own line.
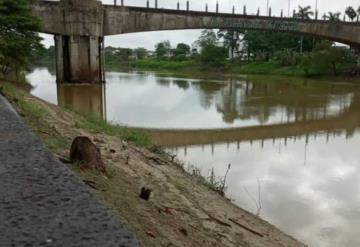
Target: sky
column 149, row 39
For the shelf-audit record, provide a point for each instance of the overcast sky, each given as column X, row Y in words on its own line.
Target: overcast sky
column 149, row 39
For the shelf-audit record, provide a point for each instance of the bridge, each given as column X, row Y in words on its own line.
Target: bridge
column 80, row 26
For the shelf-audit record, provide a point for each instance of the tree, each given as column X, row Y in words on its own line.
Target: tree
column 351, row 13
column 358, row 11
column 329, row 57
column 140, row 53
column 44, row 57
column 207, row 37
column 182, row 50
column 213, row 55
column 332, row 16
column 231, row 39
column 163, row 48
column 265, row 44
column 19, row 40
column 304, row 12
column 123, row 54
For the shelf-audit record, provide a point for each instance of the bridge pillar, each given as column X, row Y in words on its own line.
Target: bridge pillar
column 79, row 59
column 79, row 48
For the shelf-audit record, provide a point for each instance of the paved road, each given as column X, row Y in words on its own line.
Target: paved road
column 41, row 202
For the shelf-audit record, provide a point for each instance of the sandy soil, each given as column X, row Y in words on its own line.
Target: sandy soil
column 181, row 211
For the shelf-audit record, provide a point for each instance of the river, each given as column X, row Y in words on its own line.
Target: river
column 292, row 143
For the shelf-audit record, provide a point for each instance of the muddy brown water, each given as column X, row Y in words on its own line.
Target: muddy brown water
column 293, row 144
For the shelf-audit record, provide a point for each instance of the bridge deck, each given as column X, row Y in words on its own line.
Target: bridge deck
column 41, row 202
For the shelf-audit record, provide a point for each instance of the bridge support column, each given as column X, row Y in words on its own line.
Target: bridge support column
column 79, row 59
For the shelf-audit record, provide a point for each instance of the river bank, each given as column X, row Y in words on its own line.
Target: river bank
column 191, row 66
column 183, row 211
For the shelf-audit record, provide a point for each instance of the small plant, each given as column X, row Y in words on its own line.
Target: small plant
column 219, row 184
column 258, row 201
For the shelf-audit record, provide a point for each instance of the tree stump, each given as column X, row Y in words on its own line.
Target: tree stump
column 84, row 152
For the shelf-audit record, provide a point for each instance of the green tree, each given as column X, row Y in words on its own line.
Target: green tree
column 265, row 44
column 351, row 13
column 140, row 53
column 328, row 57
column 123, row 54
column 207, row 37
column 44, row 57
column 19, row 40
column 304, row 12
column 213, row 55
column 182, row 50
column 332, row 16
column 231, row 39
column 162, row 49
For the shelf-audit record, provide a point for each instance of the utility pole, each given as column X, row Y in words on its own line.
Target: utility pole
column 267, row 7
column 288, row 8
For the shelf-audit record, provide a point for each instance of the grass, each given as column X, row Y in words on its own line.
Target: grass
column 94, row 124
column 267, row 68
column 34, row 115
column 157, row 64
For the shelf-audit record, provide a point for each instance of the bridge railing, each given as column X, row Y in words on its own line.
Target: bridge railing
column 243, row 11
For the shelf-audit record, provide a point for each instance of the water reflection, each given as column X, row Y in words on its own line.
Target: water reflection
column 298, row 138
column 309, row 184
column 165, row 101
column 88, row 98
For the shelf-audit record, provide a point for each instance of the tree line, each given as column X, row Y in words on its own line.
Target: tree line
column 19, row 40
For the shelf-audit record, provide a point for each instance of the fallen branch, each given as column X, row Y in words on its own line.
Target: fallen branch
column 246, row 228
column 219, row 221
column 43, row 132
column 90, row 184
column 62, row 159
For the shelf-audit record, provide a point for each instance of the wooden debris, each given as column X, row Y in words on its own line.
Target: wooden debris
column 246, row 228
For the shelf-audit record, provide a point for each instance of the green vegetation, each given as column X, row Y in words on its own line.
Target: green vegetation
column 115, row 57
column 44, row 57
column 351, row 13
column 95, row 124
column 162, row 64
column 18, row 38
column 162, row 49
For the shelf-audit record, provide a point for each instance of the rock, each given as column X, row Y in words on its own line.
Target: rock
column 85, row 152
column 184, row 231
column 145, row 193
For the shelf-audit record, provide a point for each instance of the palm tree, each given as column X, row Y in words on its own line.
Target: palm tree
column 351, row 13
column 304, row 12
column 332, row 16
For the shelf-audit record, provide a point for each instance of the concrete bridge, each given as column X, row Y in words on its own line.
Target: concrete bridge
column 80, row 26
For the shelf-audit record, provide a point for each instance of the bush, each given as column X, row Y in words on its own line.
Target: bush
column 213, row 55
